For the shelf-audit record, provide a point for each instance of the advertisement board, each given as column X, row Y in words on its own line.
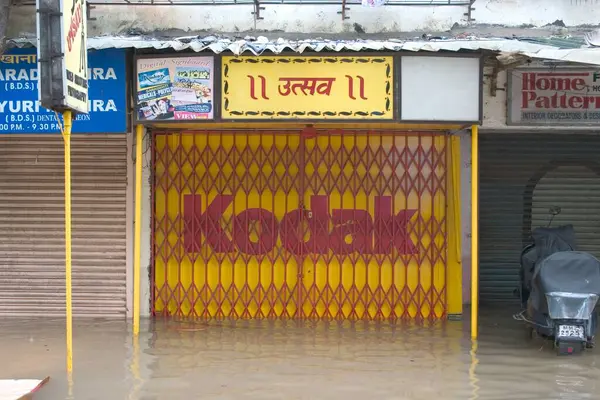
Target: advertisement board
column 62, row 54
column 75, row 78
column 20, row 111
column 558, row 96
column 308, row 88
column 441, row 89
column 175, row 88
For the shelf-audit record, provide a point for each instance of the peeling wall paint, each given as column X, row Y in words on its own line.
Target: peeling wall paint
column 537, row 13
column 276, row 18
column 327, row 18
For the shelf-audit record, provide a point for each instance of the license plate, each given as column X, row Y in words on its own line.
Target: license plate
column 570, row 331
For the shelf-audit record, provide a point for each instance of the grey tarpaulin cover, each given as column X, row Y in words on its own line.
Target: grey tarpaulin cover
column 547, row 241
column 558, row 268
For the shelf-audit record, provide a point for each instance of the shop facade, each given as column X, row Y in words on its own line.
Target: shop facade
column 32, row 193
column 305, row 186
column 538, row 149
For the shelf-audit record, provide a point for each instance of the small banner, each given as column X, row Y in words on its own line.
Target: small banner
column 175, row 89
column 373, row 3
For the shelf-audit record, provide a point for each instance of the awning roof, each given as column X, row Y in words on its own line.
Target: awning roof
column 508, row 49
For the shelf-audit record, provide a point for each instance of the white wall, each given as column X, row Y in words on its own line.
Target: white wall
column 537, row 12
column 323, row 18
column 276, row 18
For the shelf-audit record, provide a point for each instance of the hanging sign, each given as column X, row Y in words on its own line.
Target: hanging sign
column 305, row 88
column 175, row 89
column 75, row 51
column 559, row 96
column 441, row 89
column 62, row 54
column 20, row 111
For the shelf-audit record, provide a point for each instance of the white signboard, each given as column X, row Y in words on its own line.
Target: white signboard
column 75, row 71
column 440, row 89
column 62, row 55
column 558, row 96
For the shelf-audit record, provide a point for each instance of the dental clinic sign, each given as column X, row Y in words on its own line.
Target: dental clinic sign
column 21, row 112
column 559, row 96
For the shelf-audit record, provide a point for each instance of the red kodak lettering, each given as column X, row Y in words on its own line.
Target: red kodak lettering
column 391, row 231
column 209, row 224
column 346, row 231
column 267, row 232
column 293, row 223
column 351, row 224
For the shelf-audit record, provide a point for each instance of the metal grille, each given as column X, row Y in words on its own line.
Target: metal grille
column 344, row 225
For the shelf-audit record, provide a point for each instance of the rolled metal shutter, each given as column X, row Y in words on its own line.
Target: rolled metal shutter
column 32, row 225
column 523, row 175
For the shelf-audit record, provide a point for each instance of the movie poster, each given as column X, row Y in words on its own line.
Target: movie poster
column 175, row 89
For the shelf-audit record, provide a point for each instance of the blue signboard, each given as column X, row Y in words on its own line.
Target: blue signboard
column 20, row 111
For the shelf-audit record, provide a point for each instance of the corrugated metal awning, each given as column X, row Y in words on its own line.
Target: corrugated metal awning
column 505, row 47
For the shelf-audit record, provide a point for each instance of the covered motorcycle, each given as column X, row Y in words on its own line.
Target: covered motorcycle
column 561, row 288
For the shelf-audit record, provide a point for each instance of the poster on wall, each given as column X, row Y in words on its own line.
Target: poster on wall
column 175, row 89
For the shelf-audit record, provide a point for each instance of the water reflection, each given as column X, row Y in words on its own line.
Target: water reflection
column 261, row 360
column 473, row 379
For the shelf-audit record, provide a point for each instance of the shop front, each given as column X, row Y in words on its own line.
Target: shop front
column 32, row 244
column 547, row 157
column 306, row 187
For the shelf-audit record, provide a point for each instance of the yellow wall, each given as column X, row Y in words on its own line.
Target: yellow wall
column 454, row 267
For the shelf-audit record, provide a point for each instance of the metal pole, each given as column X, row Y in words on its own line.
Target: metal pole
column 138, row 229
column 474, row 231
column 67, row 117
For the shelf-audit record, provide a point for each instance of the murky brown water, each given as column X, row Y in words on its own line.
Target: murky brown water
column 178, row 360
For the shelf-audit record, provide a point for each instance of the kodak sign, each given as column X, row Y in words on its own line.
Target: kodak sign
column 344, row 231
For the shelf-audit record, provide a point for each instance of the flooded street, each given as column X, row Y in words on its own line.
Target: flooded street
column 262, row 360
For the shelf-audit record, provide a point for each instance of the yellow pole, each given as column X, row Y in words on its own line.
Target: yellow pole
column 67, row 117
column 474, row 231
column 138, row 229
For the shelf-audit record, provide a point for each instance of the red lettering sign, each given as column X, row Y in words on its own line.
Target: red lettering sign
column 345, row 231
column 563, row 88
column 361, row 87
column 306, row 86
column 76, row 20
column 298, row 86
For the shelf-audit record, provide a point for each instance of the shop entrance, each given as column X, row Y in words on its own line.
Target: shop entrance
column 344, row 225
column 522, row 176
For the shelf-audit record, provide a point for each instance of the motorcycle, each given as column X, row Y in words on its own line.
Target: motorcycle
column 559, row 289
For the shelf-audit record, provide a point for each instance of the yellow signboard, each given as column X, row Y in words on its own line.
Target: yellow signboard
column 308, row 88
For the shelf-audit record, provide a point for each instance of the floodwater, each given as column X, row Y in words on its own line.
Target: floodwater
column 262, row 360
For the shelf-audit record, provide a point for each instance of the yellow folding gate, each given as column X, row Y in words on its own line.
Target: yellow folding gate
column 345, row 225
